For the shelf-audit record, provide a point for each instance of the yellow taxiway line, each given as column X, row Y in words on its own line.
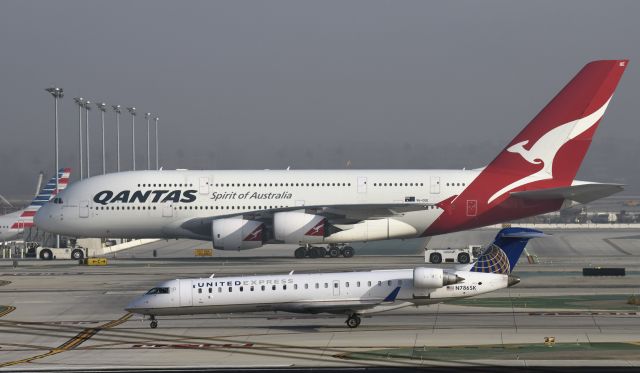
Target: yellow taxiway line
column 72, row 343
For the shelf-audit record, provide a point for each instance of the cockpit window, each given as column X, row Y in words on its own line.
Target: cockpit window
column 57, row 201
column 158, row 291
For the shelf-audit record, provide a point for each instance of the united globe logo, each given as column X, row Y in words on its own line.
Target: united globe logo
column 492, row 260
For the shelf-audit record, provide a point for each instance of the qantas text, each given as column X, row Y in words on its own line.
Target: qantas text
column 154, row 196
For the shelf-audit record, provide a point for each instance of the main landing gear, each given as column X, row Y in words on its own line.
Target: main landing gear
column 154, row 322
column 332, row 251
column 353, row 321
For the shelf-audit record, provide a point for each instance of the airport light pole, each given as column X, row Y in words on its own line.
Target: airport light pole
column 147, row 116
column 132, row 111
column 80, row 102
column 56, row 93
column 116, row 108
column 156, row 120
column 87, row 107
column 102, row 107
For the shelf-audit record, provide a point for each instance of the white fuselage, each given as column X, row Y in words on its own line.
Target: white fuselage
column 96, row 207
column 339, row 292
column 11, row 226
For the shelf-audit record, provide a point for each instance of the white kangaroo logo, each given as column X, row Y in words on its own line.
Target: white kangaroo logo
column 545, row 149
column 254, row 235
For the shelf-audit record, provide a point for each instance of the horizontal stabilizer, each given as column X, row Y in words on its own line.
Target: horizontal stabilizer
column 581, row 193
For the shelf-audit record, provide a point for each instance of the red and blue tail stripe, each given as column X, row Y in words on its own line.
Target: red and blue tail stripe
column 45, row 195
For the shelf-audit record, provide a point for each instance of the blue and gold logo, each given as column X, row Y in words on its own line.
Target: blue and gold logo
column 492, row 260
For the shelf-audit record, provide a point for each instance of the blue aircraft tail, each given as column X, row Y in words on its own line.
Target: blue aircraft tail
column 503, row 254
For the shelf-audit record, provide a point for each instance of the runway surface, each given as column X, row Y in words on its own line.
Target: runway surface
column 61, row 315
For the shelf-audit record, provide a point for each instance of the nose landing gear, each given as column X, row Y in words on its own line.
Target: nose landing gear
column 154, row 322
column 353, row 321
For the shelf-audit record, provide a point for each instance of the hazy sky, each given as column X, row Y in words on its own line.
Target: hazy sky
column 308, row 84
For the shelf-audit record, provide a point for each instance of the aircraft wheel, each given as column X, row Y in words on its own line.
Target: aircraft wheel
column 463, row 258
column 46, row 254
column 153, row 324
column 322, row 252
column 435, row 258
column 314, row 253
column 348, row 251
column 334, row 252
column 77, row 254
column 353, row 321
column 300, row 252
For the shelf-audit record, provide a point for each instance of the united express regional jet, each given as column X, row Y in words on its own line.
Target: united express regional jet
column 534, row 174
column 346, row 293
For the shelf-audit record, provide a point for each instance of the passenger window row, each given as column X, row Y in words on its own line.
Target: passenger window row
column 125, row 208
column 398, row 184
column 279, row 184
column 295, row 286
column 164, row 185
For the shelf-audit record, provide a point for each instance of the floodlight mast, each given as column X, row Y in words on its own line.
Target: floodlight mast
column 132, row 111
column 116, row 109
column 57, row 93
column 147, row 116
column 102, row 106
column 80, row 102
column 87, row 107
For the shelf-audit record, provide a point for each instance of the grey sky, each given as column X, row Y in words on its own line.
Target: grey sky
column 271, row 84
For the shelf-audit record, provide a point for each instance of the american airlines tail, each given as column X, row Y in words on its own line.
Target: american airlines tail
column 47, row 193
column 503, row 254
column 541, row 162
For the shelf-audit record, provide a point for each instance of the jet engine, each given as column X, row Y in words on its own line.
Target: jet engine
column 237, row 234
column 299, row 227
column 430, row 278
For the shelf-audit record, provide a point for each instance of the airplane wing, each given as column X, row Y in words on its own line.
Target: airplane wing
column 337, row 214
column 581, row 192
column 344, row 307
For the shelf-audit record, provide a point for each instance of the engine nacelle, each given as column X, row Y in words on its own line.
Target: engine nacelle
column 237, row 234
column 431, row 278
column 299, row 227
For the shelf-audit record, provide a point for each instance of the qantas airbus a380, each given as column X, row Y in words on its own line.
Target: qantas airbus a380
column 533, row 174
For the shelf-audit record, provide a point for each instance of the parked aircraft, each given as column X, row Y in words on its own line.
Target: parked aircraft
column 13, row 224
column 235, row 210
column 349, row 293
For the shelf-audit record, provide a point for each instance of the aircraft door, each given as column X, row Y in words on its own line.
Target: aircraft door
column 167, row 210
column 336, row 288
column 186, row 293
column 83, row 209
column 435, row 185
column 362, row 184
column 204, row 185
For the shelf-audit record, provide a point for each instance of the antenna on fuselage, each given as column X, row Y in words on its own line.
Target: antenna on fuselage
column 213, row 274
column 290, row 273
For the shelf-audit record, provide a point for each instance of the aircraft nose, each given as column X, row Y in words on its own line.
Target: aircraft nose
column 133, row 306
column 41, row 218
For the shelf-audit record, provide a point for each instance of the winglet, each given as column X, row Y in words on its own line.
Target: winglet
column 392, row 296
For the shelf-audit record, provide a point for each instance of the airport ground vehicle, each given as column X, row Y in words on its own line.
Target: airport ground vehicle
column 49, row 253
column 462, row 255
